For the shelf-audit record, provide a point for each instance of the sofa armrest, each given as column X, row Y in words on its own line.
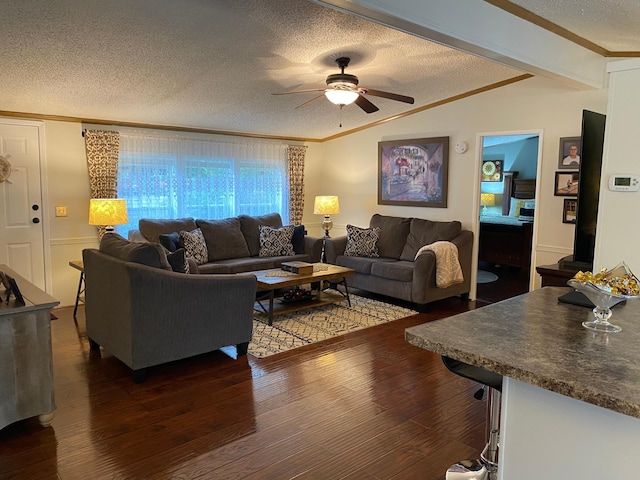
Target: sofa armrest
column 334, row 247
column 313, row 248
column 464, row 242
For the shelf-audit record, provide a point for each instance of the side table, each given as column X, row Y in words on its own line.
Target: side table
column 78, row 265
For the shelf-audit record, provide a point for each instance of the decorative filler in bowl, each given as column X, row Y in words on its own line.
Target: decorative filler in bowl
column 605, row 289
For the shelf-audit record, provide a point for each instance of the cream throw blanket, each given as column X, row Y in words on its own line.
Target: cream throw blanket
column 448, row 270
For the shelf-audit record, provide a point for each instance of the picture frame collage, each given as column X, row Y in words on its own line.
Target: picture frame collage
column 567, row 176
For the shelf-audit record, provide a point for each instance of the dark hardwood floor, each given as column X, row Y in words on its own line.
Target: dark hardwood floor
column 366, row 405
column 511, row 282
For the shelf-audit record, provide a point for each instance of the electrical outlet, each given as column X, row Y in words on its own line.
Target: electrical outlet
column 61, row 211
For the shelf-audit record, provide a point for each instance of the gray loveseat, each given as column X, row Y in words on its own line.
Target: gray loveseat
column 145, row 314
column 396, row 272
column 233, row 244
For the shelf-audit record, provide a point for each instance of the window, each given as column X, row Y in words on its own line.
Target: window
column 162, row 176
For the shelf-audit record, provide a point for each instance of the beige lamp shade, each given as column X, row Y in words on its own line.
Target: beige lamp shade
column 488, row 199
column 108, row 211
column 326, row 205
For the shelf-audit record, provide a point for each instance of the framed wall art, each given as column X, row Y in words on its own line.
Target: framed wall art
column 570, row 151
column 569, row 210
column 566, row 184
column 413, row 172
column 491, row 171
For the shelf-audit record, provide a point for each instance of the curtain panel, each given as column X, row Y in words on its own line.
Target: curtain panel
column 296, row 155
column 102, row 149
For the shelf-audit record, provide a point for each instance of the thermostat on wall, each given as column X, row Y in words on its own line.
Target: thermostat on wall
column 624, row 183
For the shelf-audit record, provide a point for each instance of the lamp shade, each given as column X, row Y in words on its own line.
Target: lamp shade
column 488, row 199
column 326, row 205
column 341, row 97
column 108, row 211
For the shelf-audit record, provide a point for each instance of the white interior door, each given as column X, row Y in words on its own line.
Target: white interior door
column 21, row 226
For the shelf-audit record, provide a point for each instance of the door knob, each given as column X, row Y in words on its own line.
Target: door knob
column 35, row 207
column 36, row 220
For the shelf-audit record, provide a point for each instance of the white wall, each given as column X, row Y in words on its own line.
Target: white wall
column 349, row 164
column 617, row 231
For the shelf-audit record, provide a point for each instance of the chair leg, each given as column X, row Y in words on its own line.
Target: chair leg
column 242, row 348
column 489, row 455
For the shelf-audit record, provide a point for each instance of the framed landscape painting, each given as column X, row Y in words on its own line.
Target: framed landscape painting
column 413, row 172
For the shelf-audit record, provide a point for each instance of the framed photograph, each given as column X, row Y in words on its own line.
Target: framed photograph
column 566, row 184
column 413, row 172
column 491, row 171
column 569, row 209
column 570, row 152
column 15, row 290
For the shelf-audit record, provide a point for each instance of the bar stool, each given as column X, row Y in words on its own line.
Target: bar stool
column 487, row 466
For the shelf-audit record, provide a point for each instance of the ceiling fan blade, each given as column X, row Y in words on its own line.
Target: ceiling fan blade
column 300, row 91
column 313, row 100
column 389, row 95
column 366, row 105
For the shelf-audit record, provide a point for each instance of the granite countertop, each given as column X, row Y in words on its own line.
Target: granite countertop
column 535, row 339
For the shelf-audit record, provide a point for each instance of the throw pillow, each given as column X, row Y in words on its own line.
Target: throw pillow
column 362, row 242
column 194, row 245
column 178, row 261
column 276, row 242
column 298, row 239
column 170, row 241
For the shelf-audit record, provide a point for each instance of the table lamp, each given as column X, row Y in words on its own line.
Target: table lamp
column 326, row 205
column 108, row 212
column 487, row 200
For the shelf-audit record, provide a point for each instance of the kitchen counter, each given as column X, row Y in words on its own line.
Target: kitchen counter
column 537, row 340
column 570, row 396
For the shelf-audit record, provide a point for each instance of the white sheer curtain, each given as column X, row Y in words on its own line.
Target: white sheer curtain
column 164, row 175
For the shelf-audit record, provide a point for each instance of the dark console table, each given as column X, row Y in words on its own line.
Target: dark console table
column 555, row 275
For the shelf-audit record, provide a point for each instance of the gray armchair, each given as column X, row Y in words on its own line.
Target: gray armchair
column 146, row 315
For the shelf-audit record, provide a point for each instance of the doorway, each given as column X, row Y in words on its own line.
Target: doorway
column 509, row 165
column 21, row 211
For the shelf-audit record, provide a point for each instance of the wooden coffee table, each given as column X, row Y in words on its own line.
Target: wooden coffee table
column 268, row 284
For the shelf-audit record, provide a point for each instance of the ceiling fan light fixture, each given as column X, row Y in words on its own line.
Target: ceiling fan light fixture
column 341, row 97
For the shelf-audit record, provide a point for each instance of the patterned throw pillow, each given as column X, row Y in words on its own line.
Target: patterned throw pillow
column 275, row 242
column 362, row 242
column 194, row 245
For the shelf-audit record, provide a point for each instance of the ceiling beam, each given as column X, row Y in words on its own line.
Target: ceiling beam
column 484, row 30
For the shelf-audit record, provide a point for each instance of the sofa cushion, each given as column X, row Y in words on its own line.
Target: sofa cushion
column 400, row 270
column 393, row 234
column 250, row 227
column 224, row 238
column 362, row 242
column 276, row 241
column 151, row 228
column 425, row 232
column 194, row 245
column 170, row 241
column 178, row 261
column 151, row 254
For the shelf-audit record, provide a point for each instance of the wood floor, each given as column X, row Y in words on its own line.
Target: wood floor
column 366, row 405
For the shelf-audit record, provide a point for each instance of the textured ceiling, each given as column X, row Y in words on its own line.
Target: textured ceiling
column 213, row 64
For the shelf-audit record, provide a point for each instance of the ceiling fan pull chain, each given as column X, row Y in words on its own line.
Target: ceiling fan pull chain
column 340, row 119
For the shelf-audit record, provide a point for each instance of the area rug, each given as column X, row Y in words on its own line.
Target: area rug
column 486, row 277
column 310, row 325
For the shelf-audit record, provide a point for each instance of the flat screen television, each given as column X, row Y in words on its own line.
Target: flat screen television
column 592, row 146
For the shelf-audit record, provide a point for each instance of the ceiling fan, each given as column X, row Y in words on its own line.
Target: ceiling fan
column 342, row 89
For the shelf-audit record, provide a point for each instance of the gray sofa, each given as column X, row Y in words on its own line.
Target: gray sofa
column 395, row 272
column 233, row 244
column 145, row 314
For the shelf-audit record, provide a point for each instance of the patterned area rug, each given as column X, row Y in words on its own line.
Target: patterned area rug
column 310, row 325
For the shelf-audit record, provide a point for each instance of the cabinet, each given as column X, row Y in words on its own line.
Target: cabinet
column 508, row 245
column 26, row 367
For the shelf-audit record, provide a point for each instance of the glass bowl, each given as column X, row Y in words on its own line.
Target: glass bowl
column 603, row 298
